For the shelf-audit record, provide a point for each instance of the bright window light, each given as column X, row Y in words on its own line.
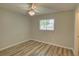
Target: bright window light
column 47, row 24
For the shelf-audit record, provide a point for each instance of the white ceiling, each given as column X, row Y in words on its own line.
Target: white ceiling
column 43, row 8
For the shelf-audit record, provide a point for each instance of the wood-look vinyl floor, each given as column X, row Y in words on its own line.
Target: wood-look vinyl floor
column 35, row 48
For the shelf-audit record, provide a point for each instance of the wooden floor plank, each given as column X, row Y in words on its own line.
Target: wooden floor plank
column 14, row 49
column 37, row 52
column 25, row 50
column 55, row 51
column 65, row 52
column 43, row 50
column 50, row 52
column 35, row 48
column 59, row 52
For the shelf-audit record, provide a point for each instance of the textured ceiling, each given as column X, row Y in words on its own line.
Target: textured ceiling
column 42, row 8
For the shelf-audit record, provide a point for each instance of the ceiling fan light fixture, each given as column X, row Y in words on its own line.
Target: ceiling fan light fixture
column 31, row 13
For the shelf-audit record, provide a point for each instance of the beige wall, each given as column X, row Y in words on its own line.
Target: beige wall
column 14, row 28
column 64, row 29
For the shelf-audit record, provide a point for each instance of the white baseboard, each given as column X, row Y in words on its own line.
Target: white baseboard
column 53, row 44
column 12, row 45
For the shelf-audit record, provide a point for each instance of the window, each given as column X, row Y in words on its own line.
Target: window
column 47, row 24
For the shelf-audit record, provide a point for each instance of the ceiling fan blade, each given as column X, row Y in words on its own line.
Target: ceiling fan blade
column 29, row 6
column 33, row 6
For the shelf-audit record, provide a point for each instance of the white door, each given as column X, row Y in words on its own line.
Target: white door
column 76, row 40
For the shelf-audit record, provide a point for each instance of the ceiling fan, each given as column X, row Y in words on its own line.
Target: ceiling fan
column 32, row 10
column 36, row 9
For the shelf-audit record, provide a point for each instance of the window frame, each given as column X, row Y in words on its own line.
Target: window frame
column 46, row 26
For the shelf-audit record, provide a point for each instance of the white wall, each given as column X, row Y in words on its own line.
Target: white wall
column 64, row 29
column 14, row 28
